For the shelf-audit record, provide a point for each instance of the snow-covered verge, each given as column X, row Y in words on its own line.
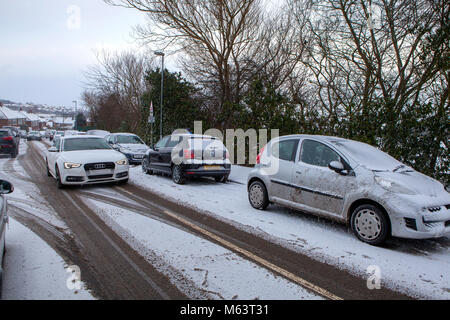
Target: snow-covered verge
column 218, row 272
column 34, row 271
column 418, row 268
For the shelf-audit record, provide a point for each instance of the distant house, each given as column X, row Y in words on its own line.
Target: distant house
column 10, row 117
column 32, row 120
column 61, row 123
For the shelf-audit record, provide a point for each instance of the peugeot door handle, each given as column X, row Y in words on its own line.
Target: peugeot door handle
column 298, row 172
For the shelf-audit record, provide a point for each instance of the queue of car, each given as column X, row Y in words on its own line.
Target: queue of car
column 344, row 180
column 340, row 179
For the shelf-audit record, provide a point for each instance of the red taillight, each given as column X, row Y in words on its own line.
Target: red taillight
column 8, row 138
column 258, row 158
column 189, row 154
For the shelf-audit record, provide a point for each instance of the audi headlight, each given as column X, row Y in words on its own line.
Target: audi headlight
column 71, row 165
column 393, row 186
column 122, row 162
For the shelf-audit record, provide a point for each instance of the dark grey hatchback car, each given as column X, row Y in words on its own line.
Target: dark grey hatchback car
column 5, row 188
column 188, row 155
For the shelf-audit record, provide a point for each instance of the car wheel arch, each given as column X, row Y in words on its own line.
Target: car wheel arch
column 253, row 180
column 360, row 202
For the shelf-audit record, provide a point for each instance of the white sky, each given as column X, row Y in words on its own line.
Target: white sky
column 44, row 51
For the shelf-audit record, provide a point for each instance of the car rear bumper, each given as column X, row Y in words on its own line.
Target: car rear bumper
column 6, row 148
column 190, row 170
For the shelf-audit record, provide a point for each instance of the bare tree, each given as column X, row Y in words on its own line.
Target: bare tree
column 365, row 50
column 118, row 75
column 219, row 40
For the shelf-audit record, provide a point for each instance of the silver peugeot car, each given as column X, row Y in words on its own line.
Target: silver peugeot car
column 350, row 182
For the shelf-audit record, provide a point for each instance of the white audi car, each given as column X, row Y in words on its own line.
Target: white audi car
column 78, row 160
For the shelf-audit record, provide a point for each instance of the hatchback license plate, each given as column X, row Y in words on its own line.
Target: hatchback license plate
column 212, row 167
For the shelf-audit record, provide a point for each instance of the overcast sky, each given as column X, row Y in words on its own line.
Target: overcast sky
column 44, row 46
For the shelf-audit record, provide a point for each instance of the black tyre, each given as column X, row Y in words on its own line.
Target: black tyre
column 48, row 170
column 58, row 179
column 177, row 175
column 14, row 153
column 370, row 224
column 222, row 179
column 257, row 195
column 145, row 167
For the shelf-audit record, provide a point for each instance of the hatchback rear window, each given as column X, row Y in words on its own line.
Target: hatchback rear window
column 4, row 133
column 202, row 143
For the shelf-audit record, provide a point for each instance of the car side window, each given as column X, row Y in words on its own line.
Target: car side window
column 318, row 154
column 173, row 142
column 287, row 149
column 57, row 143
column 161, row 143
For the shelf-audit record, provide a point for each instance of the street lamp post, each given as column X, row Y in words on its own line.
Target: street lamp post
column 76, row 123
column 160, row 53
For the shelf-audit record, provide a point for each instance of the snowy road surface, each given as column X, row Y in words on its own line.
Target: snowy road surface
column 152, row 239
column 33, row 270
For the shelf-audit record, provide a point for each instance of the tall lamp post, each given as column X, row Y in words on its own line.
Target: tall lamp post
column 76, row 123
column 160, row 53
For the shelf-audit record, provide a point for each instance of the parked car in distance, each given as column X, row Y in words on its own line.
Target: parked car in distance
column 188, row 155
column 5, row 188
column 70, row 133
column 14, row 130
column 23, row 134
column 129, row 144
column 100, row 133
column 52, row 135
column 9, row 143
column 353, row 183
column 34, row 135
column 78, row 160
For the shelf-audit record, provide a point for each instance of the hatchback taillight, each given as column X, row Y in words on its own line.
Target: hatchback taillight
column 189, row 154
column 258, row 158
column 8, row 138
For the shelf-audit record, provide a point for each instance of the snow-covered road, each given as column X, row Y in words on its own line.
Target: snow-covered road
column 417, row 267
column 197, row 266
column 33, row 269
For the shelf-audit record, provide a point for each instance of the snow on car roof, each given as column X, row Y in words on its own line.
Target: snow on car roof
column 80, row 137
column 123, row 133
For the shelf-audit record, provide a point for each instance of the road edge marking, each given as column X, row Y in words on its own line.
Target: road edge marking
column 302, row 282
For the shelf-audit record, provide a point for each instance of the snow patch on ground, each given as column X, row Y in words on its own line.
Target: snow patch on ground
column 217, row 271
column 33, row 270
column 416, row 267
